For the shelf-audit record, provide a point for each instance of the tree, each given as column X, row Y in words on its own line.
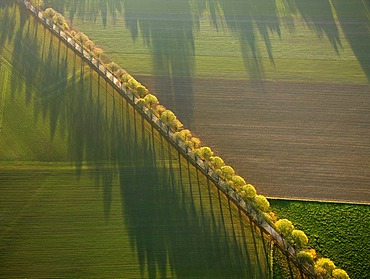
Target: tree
column 113, row 67
column 59, row 19
column 140, row 103
column 104, row 59
column 248, row 192
column 299, row 238
column 195, row 143
column 37, row 3
column 49, row 13
column 262, row 203
column 159, row 109
column 151, row 101
column 217, row 162
column 204, row 152
column 133, row 83
column 284, row 226
column 119, row 72
column 81, row 38
column 126, row 77
column 97, row 52
column 141, row 90
column 90, row 45
column 227, row 172
column 168, row 117
column 238, row 181
column 340, row 274
column 176, row 125
column 324, row 267
column 313, row 252
column 184, row 135
column 305, row 257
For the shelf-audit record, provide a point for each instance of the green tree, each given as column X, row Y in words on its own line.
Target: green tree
column 159, row 109
column 340, row 274
column 141, row 90
column 113, row 66
column 49, row 13
column 126, row 77
column 168, row 117
column 305, row 257
column 238, row 181
column 194, row 143
column 184, row 135
column 81, row 38
column 227, row 172
column 262, row 203
column 133, row 83
column 204, row 152
column 140, row 103
column 284, row 226
column 59, row 19
column 299, row 238
column 37, row 3
column 90, row 45
column 324, row 267
column 248, row 192
column 151, row 101
column 217, row 162
column 98, row 52
column 176, row 125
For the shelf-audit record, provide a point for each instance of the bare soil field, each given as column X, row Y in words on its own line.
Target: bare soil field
column 289, row 139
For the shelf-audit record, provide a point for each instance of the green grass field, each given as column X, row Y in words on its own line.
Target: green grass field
column 62, row 208
column 273, row 40
column 337, row 231
column 53, row 225
column 81, row 192
column 317, row 43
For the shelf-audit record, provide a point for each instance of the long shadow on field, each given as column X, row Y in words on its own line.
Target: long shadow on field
column 174, row 226
column 177, row 225
column 318, row 15
column 60, row 88
column 354, row 18
column 88, row 9
column 8, row 22
column 167, row 28
column 248, row 20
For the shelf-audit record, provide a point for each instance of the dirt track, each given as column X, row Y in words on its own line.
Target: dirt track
column 295, row 140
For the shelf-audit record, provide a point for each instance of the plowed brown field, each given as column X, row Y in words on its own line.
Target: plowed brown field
column 289, row 139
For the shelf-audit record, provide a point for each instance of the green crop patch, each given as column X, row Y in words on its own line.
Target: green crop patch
column 52, row 220
column 337, row 231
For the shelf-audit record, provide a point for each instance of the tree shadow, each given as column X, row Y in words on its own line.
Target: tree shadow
column 176, row 222
column 8, row 25
column 167, row 29
column 88, row 9
column 354, row 18
column 318, row 15
column 250, row 20
column 170, row 212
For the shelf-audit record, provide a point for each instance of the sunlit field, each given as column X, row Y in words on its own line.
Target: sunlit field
column 88, row 189
column 279, row 88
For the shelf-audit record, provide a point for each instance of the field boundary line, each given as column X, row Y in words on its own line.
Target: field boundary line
column 318, row 201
